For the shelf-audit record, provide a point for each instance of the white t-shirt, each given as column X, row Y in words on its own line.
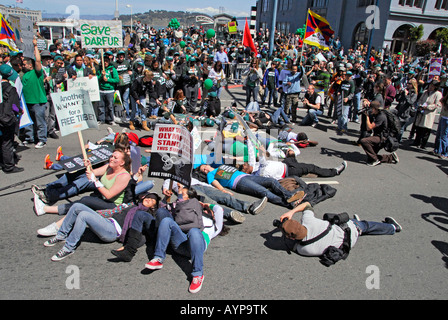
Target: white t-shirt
column 314, row 228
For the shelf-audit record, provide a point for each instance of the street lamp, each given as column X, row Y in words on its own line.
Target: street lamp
column 130, row 6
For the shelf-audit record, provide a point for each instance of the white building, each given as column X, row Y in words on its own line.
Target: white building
column 351, row 19
column 33, row 15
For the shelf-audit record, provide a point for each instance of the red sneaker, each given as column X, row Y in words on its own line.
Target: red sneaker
column 48, row 162
column 196, row 284
column 154, row 264
column 59, row 153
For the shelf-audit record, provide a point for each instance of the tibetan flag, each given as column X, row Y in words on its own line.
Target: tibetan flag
column 247, row 39
column 318, row 31
column 7, row 36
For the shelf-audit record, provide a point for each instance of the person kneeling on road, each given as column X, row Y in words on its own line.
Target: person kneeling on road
column 372, row 145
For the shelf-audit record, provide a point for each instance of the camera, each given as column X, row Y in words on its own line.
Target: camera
column 278, row 223
column 365, row 109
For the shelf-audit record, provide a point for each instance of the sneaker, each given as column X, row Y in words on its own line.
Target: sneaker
column 48, row 163
column 297, row 196
column 374, row 164
column 53, row 241
column 356, row 217
column 154, row 264
column 62, row 254
column 341, row 168
column 314, row 125
column 258, row 206
column 48, row 231
column 236, row 216
column 38, row 206
column 393, row 222
column 59, row 154
column 40, row 145
column 395, row 157
column 40, row 193
column 196, row 284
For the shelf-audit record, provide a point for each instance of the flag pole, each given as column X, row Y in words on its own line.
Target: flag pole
column 304, row 44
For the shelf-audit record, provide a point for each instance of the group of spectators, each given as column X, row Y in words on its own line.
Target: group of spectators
column 162, row 75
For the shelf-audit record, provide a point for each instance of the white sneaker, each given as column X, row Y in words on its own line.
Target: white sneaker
column 38, row 206
column 48, row 231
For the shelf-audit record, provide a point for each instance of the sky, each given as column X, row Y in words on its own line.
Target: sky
column 211, row 7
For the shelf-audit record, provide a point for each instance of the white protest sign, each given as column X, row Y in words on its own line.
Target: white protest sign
column 101, row 34
column 85, row 83
column 74, row 111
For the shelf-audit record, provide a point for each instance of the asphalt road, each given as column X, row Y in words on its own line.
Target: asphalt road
column 250, row 263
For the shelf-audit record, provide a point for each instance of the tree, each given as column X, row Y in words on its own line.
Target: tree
column 442, row 37
column 416, row 33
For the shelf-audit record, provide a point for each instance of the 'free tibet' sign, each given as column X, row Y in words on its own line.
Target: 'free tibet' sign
column 101, row 34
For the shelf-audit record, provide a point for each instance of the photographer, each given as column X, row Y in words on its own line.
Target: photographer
column 312, row 101
column 309, row 227
column 372, row 145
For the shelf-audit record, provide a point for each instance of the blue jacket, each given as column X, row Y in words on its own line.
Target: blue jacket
column 265, row 77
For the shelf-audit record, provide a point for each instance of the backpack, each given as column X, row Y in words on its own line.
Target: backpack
column 10, row 107
column 188, row 215
column 392, row 133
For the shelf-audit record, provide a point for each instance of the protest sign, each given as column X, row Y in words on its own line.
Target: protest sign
column 97, row 156
column 23, row 30
column 85, row 83
column 101, row 34
column 172, row 154
column 74, row 111
column 435, row 68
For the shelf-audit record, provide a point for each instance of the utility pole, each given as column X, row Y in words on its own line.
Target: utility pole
column 116, row 13
column 274, row 22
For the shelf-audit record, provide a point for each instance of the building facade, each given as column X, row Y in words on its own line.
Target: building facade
column 353, row 20
column 33, row 15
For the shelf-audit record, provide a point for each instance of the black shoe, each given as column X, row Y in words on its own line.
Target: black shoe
column 14, row 170
column 53, row 135
column 341, row 168
column 393, row 222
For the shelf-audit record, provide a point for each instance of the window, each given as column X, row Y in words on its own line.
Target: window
column 319, row 3
column 441, row 5
column 366, row 3
column 411, row 3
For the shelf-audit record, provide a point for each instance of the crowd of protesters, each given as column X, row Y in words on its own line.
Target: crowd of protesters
column 160, row 76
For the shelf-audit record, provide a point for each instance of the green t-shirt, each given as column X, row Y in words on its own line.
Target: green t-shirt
column 33, row 87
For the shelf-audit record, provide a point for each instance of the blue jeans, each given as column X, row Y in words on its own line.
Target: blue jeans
column 144, row 186
column 223, row 198
column 280, row 117
column 191, row 245
column 78, row 218
column 135, row 110
column 441, row 143
column 106, row 107
column 124, row 92
column 311, row 117
column 37, row 114
column 356, row 106
column 261, row 187
column 273, row 95
column 343, row 119
column 69, row 185
column 374, row 228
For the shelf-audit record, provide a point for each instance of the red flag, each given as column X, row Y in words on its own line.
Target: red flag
column 247, row 39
